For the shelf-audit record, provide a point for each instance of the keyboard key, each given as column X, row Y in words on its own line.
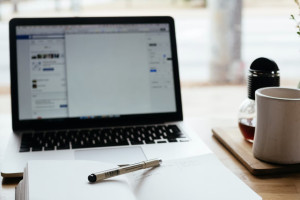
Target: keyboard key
column 149, row 140
column 48, row 148
column 172, row 140
column 136, row 143
column 63, row 145
column 161, row 141
column 37, row 148
column 24, row 149
column 173, row 129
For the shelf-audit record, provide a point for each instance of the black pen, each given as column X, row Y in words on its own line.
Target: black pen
column 123, row 170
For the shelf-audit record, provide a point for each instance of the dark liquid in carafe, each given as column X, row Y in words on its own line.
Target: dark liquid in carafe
column 247, row 128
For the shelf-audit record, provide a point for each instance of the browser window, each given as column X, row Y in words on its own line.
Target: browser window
column 94, row 70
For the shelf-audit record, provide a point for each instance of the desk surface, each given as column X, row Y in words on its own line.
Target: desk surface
column 218, row 108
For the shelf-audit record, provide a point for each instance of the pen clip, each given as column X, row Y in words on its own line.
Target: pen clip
column 123, row 165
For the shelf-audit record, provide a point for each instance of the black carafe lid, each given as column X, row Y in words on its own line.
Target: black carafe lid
column 263, row 73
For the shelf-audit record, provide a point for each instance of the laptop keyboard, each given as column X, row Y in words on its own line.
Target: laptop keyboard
column 101, row 137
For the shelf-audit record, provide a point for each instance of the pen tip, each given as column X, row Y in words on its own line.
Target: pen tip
column 92, row 178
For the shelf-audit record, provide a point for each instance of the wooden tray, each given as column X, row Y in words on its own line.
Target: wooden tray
column 232, row 139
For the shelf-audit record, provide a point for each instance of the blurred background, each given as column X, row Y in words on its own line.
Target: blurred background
column 216, row 39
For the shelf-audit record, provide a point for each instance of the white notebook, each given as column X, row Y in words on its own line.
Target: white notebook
column 194, row 178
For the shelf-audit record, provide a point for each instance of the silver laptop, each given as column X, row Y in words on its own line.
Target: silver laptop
column 102, row 89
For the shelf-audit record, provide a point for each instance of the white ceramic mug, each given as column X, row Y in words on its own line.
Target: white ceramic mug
column 277, row 132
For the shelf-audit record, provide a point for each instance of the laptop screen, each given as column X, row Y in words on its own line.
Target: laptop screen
column 94, row 70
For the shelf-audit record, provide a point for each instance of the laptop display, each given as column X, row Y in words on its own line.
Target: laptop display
column 94, row 71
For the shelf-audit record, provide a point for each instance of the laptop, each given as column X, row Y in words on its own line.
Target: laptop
column 100, row 88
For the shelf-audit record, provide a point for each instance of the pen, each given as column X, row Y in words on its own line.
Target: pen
column 123, row 170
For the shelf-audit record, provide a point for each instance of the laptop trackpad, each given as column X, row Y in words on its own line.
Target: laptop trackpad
column 125, row 155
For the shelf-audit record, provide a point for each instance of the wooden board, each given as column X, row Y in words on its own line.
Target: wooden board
column 233, row 140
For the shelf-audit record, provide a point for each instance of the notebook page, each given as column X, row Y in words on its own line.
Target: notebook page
column 61, row 180
column 25, row 183
column 21, row 189
column 19, row 192
column 201, row 177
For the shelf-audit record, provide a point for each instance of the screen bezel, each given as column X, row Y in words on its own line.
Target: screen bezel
column 69, row 123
